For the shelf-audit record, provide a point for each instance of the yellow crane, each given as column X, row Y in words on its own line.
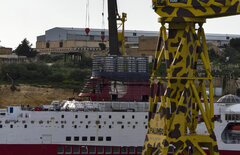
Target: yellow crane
column 182, row 46
column 121, row 36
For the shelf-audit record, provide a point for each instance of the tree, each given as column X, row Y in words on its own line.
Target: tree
column 235, row 43
column 102, row 46
column 25, row 49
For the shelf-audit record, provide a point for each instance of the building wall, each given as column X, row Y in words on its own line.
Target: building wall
column 5, row 51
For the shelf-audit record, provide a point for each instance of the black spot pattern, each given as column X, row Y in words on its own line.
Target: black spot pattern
column 168, row 9
column 173, row 107
column 196, row 5
column 191, row 49
column 176, row 70
column 184, row 13
column 182, row 109
column 215, row 8
column 188, row 61
column 176, row 132
column 172, row 33
column 233, row 9
column 221, row 1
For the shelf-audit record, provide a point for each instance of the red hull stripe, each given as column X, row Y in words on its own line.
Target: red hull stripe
column 48, row 149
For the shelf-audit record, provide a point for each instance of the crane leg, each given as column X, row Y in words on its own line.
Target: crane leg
column 175, row 122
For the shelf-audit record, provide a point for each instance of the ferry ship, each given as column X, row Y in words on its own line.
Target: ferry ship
column 112, row 122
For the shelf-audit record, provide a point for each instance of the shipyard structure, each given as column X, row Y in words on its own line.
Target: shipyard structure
column 137, row 43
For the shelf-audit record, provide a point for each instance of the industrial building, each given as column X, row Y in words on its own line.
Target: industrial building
column 64, row 40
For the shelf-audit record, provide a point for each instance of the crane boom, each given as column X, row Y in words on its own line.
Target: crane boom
column 112, row 25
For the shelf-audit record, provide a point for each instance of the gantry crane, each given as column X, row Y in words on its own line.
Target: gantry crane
column 182, row 46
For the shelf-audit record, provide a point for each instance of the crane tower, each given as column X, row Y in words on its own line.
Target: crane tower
column 183, row 45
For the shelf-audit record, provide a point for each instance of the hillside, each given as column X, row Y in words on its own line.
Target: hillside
column 30, row 95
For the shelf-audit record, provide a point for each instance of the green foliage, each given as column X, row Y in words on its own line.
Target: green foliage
column 233, row 54
column 24, row 49
column 102, row 46
column 78, row 75
column 235, row 43
column 49, row 59
column 160, row 72
column 57, row 75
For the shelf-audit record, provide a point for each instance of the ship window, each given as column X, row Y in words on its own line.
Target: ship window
column 108, row 138
column 84, row 138
column 114, row 97
column 146, row 126
column 62, row 116
column 99, row 126
column 100, row 150
column 76, row 116
column 131, row 150
column 146, row 117
column 133, row 116
column 76, row 138
column 11, row 109
column 68, row 138
column 1, row 126
column 100, row 138
column 133, row 126
column 11, row 126
column 86, row 126
column 109, row 116
column 145, row 98
column 25, row 126
column 108, row 150
column 75, row 126
column 139, row 149
column 124, row 150
column 47, row 45
column 110, row 126
column 61, row 44
column 123, row 116
column 92, row 150
column 100, row 116
column 86, row 116
column 134, row 34
column 122, row 126
column 116, row 150
column 68, row 150
column 76, row 150
column 92, row 138
column 171, row 150
column 60, row 150
column 62, row 126
column 32, row 122
column 84, row 150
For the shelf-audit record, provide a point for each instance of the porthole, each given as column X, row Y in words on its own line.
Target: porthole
column 108, row 138
column 68, row 138
column 76, row 138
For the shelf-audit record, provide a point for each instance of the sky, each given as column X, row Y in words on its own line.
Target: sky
column 21, row 19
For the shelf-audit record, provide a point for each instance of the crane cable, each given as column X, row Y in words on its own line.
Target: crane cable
column 87, row 22
column 103, row 21
column 103, row 15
